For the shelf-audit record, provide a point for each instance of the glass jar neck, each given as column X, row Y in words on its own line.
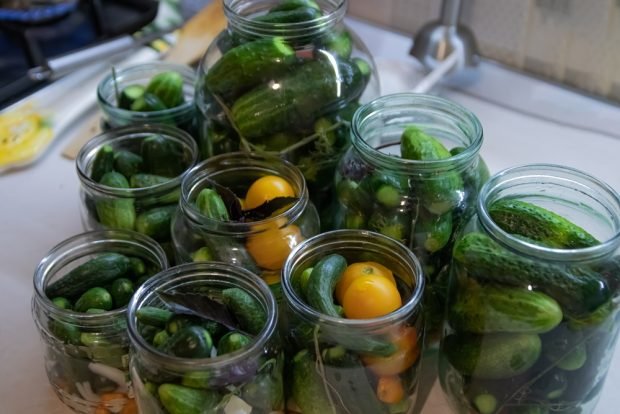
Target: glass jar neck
column 398, row 258
column 572, row 194
column 241, row 14
column 378, row 125
column 192, row 277
column 83, row 246
column 219, row 169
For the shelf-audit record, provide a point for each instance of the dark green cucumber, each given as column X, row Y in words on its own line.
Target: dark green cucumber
column 337, row 42
column 155, row 222
column 322, row 282
column 248, row 65
column 168, row 87
column 488, row 309
column 178, row 399
column 287, row 5
column 353, row 195
column 102, row 163
column 492, row 356
column 578, row 291
column 94, row 298
column 116, row 213
column 66, row 332
column 432, row 232
column 163, row 156
column 189, row 342
column 440, row 193
column 394, row 223
column 296, row 15
column 211, row 205
column 98, row 271
column 308, row 92
column 137, row 267
column 146, row 180
column 153, row 316
column 127, row 163
column 121, row 290
column 129, row 95
column 387, row 189
column 308, row 388
column 232, row 341
column 148, row 102
column 539, row 224
column 248, row 311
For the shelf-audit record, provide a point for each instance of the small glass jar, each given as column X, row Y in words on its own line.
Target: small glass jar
column 259, row 246
column 532, row 313
column 419, row 203
column 248, row 379
column 303, row 61
column 86, row 354
column 147, row 205
column 111, row 87
column 369, row 365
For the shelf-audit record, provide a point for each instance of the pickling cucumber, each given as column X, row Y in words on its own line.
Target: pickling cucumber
column 168, row 87
column 162, row 156
column 322, row 282
column 250, row 314
column 308, row 387
column 116, row 213
column 178, row 399
column 102, row 163
column 94, row 298
column 127, row 163
column 155, row 222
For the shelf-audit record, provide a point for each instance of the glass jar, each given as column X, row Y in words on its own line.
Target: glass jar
column 531, row 319
column 247, row 379
column 86, row 354
column 298, row 57
column 260, row 246
column 418, row 202
column 148, row 194
column 369, row 365
column 110, row 97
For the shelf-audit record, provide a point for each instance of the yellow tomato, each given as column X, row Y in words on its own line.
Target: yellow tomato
column 407, row 353
column 359, row 269
column 267, row 188
column 271, row 247
column 370, row 297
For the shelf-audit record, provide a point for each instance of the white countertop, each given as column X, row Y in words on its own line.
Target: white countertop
column 39, row 205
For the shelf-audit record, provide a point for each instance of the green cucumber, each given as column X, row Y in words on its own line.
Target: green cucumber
column 98, row 271
column 189, row 342
column 492, row 356
column 539, row 224
column 578, row 291
column 121, row 290
column 487, row 309
column 129, row 95
column 265, row 392
column 96, row 297
column 137, row 267
column 308, row 388
column 162, row 156
column 148, row 102
column 62, row 303
column 248, row 65
column 127, row 163
column 296, row 15
column 480, row 176
column 394, row 223
column 322, row 282
column 142, row 180
column 178, row 399
column 287, row 5
column 337, row 42
column 388, row 189
column 150, row 315
column 248, row 311
column 211, row 205
column 102, row 163
column 160, row 339
column 198, row 379
column 432, row 232
column 155, row 222
column 203, row 254
column 168, row 87
column 231, row 342
column 353, row 195
column 115, row 212
column 313, row 89
column 441, row 193
column 65, row 332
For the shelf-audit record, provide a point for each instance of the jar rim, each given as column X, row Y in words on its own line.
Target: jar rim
column 200, row 172
column 353, row 236
column 410, row 102
column 167, row 279
column 606, row 196
column 89, row 150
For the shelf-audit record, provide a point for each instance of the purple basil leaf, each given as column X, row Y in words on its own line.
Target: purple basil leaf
column 268, row 208
column 200, row 305
column 235, row 212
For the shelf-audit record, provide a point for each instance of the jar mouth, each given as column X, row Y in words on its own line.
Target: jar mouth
column 359, row 240
column 386, row 117
column 552, row 181
column 82, row 245
column 219, row 166
column 240, row 15
column 209, row 274
column 106, row 92
column 135, row 132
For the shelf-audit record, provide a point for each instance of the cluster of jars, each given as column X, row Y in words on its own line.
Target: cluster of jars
column 523, row 314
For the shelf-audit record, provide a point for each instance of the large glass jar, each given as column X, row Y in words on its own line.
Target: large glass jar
column 244, row 379
column 131, row 179
column 418, row 202
column 531, row 319
column 260, row 246
column 357, row 365
column 86, row 353
column 285, row 77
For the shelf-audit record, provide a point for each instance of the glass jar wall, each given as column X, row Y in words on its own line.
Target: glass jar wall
column 343, row 358
column 285, row 77
column 412, row 173
column 211, row 363
column 531, row 321
column 86, row 347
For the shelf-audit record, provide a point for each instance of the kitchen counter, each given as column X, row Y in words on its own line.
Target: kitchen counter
column 525, row 121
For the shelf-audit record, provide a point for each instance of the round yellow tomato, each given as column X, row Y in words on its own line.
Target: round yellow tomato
column 408, row 351
column 267, row 188
column 271, row 247
column 359, row 269
column 370, row 297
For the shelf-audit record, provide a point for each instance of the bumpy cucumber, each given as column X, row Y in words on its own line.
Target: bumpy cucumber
column 432, row 232
column 102, row 163
column 127, row 163
column 249, row 312
column 178, row 399
column 190, row 342
column 148, row 102
column 322, row 282
column 231, row 342
column 211, row 205
column 308, row 388
column 153, row 316
column 116, row 213
column 162, row 156
column 94, row 298
column 155, row 222
column 168, row 87
column 121, row 291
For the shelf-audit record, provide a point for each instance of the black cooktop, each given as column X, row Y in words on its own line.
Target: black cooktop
column 26, row 45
